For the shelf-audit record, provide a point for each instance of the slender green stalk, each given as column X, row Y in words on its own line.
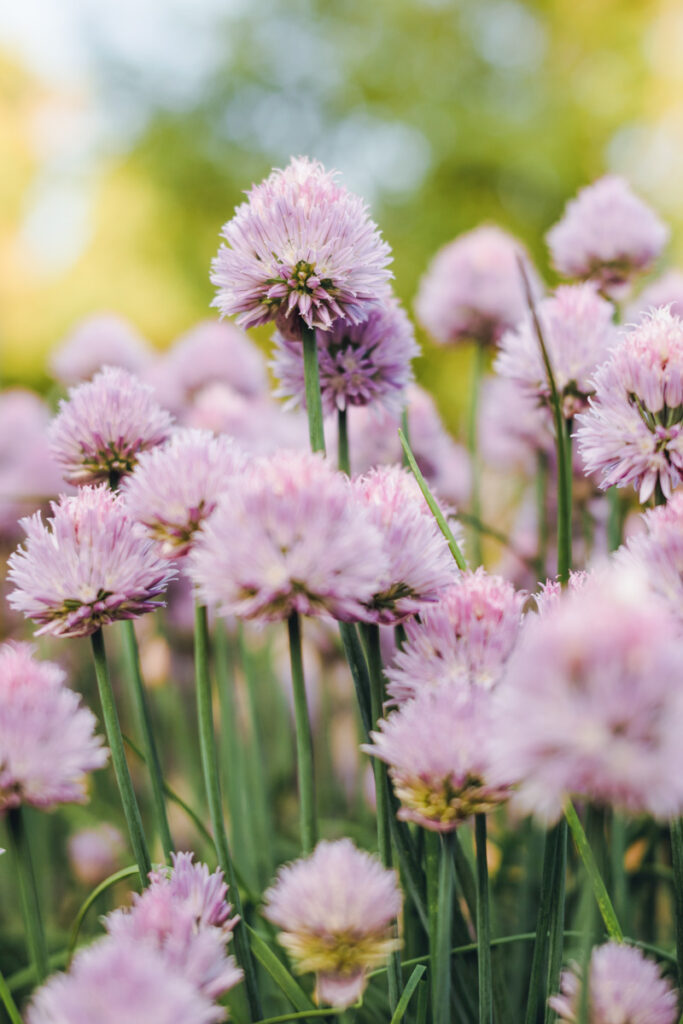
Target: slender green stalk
column 118, row 876
column 405, row 427
column 434, row 508
column 677, row 859
column 432, row 872
column 556, row 926
column 614, row 519
column 407, row 994
column 589, row 862
column 209, row 755
column 478, row 364
column 617, row 850
column 359, row 670
column 30, row 906
column 8, row 1002
column 441, row 962
column 304, row 739
column 115, row 740
column 552, row 854
column 137, row 687
column 314, row 405
column 343, row 455
column 542, row 514
column 279, row 973
column 483, row 924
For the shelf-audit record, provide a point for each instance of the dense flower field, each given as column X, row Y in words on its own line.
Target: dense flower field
column 336, row 717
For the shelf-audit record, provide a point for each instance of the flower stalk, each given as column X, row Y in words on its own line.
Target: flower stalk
column 304, row 740
column 28, row 891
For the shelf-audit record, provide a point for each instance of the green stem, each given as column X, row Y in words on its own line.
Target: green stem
column 115, row 740
column 23, row 860
column 479, row 362
column 614, row 519
column 617, row 851
column 8, row 1002
column 304, row 740
column 118, row 876
column 132, row 655
column 359, row 670
column 677, row 859
column 556, row 926
column 552, row 854
column 441, row 985
column 207, row 744
column 434, row 508
column 407, row 994
column 483, row 924
column 432, row 873
column 312, row 379
column 405, row 427
column 343, row 456
column 542, row 514
column 589, row 862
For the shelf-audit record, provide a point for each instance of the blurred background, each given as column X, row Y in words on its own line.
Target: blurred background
column 129, row 130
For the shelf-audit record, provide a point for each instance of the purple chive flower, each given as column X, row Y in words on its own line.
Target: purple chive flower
column 633, row 430
column 473, row 288
column 360, row 364
column 336, row 909
column 578, row 332
column 95, row 853
column 47, row 738
column 591, row 705
column 464, row 639
column 104, row 339
column 111, row 982
column 608, row 235
column 85, row 566
column 439, row 748
column 290, row 535
column 658, row 553
column 259, row 425
column 513, row 427
column 624, row 986
column 104, row 425
column 210, row 352
column 183, row 915
column 176, row 486
column 300, row 247
column 420, row 564
column 551, row 591
column 667, row 290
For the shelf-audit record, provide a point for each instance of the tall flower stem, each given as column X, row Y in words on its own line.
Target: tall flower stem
column 483, row 924
column 314, row 404
column 115, row 741
column 7, row 1001
column 589, row 862
column 30, row 906
column 304, row 739
column 343, row 456
column 677, row 860
column 555, row 840
column 137, row 687
column 542, row 514
column 209, row 755
column 439, row 869
column 478, row 364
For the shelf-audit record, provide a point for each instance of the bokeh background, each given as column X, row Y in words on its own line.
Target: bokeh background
column 129, row 130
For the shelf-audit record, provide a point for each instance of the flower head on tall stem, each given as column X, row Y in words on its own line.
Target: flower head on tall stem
column 420, row 564
column 624, row 986
column 47, row 738
column 104, row 426
column 578, row 331
column 85, row 566
column 463, row 639
column 104, row 339
column 289, row 536
column 472, row 289
column 300, row 247
column 590, row 705
column 607, row 235
column 632, row 434
column 438, row 748
column 336, row 909
column 176, row 486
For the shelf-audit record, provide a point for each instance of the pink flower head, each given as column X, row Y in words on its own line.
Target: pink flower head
column 578, row 332
column 210, row 352
column 259, row 425
column 336, row 909
column 47, row 738
column 633, row 430
column 658, row 553
column 667, row 290
column 111, row 982
column 289, row 535
column 105, row 424
column 95, row 853
column 420, row 564
column 300, row 247
column 551, row 591
column 85, row 566
column 360, row 364
column 514, row 427
column 464, row 639
column 606, row 234
column 104, row 339
column 176, row 486
column 473, row 288
column 183, row 915
column 438, row 748
column 624, row 986
column 591, row 704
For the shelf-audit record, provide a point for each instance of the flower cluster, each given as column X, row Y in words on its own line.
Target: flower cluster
column 336, row 909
